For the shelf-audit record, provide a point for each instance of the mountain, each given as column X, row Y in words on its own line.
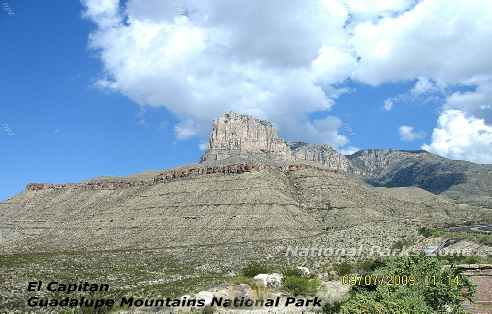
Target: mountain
column 251, row 186
column 237, row 137
column 253, row 197
column 462, row 181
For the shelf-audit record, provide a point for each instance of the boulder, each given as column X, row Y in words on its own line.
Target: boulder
column 269, row 280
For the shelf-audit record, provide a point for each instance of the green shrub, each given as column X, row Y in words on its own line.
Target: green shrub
column 426, row 232
column 437, row 287
column 291, row 271
column 300, row 285
column 401, row 244
column 329, row 308
column 343, row 268
column 368, row 265
column 255, row 268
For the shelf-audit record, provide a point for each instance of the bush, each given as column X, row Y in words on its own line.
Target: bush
column 343, row 268
column 300, row 285
column 369, row 265
column 291, row 271
column 436, row 289
column 426, row 232
column 401, row 244
column 329, row 308
column 255, row 268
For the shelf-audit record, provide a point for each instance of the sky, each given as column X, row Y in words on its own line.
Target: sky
column 107, row 87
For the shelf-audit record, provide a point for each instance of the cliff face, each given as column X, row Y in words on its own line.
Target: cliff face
column 236, row 134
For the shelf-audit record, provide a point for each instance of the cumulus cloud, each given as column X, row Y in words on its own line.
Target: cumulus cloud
column 284, row 61
column 447, row 41
column 477, row 102
column 443, row 45
column 201, row 58
column 460, row 136
column 408, row 133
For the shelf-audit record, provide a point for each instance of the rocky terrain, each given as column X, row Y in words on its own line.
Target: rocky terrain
column 251, row 197
column 463, row 181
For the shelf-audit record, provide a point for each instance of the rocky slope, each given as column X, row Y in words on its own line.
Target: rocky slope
column 322, row 154
column 250, row 187
column 463, row 181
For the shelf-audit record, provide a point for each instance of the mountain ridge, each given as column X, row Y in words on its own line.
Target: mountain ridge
column 461, row 180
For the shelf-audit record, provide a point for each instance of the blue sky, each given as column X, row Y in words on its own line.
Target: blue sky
column 107, row 88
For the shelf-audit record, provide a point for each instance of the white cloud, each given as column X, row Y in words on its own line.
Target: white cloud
column 459, row 136
column 103, row 12
column 443, row 40
column 374, row 9
column 185, row 129
column 477, row 102
column 326, row 131
column 388, row 104
column 209, row 57
column 408, row 133
column 6, row 128
column 285, row 60
column 423, row 86
column 349, row 150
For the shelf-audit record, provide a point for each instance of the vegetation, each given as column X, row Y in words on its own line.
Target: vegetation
column 401, row 244
column 426, row 232
column 360, row 267
column 298, row 285
column 291, row 271
column 255, row 268
column 438, row 288
column 343, row 268
column 293, row 279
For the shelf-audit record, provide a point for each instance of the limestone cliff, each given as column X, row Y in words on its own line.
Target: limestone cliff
column 235, row 134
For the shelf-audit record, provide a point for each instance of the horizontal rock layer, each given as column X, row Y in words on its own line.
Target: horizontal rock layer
column 170, row 175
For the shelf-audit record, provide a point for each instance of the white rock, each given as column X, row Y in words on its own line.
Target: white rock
column 206, row 295
column 304, row 270
column 269, row 280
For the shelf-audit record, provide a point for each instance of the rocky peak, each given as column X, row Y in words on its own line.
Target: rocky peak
column 235, row 134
